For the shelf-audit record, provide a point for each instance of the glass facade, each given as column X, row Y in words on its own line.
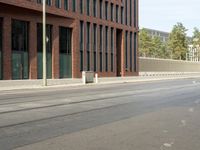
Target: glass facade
column 95, row 47
column 112, row 50
column 81, row 45
column 135, row 13
column 88, row 46
column 58, row 3
column 81, row 6
column 126, row 49
column 101, row 49
column 40, row 51
column 94, row 8
column 65, row 52
column 106, row 49
column 74, row 5
column 131, row 49
column 1, row 48
column 135, row 52
column 101, row 9
column 66, row 4
column 117, row 13
column 106, row 10
column 20, row 62
column 88, row 7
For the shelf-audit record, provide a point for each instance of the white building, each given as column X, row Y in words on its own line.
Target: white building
column 193, row 53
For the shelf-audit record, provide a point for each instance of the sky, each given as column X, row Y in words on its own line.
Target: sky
column 163, row 14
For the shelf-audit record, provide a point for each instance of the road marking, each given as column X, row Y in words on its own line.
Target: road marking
column 191, row 110
column 165, row 131
column 183, row 123
column 166, row 145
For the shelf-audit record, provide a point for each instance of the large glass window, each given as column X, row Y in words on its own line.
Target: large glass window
column 66, row 4
column 130, row 3
column 81, row 6
column 101, row 49
column 126, row 12
column 131, row 49
column 112, row 12
column 20, row 65
column 117, row 13
column 126, row 49
column 65, row 52
column 95, row 46
column 39, row 1
column 1, row 47
column 112, row 50
column 94, row 8
column 106, row 50
column 49, row 2
column 73, row 5
column 135, row 13
column 122, row 15
column 106, row 10
column 88, row 46
column 58, row 3
column 135, row 51
column 40, row 50
column 81, row 45
column 101, row 9
column 88, row 7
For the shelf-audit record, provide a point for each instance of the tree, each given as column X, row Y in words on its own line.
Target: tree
column 196, row 41
column 178, row 43
column 156, row 51
column 196, row 37
column 145, row 43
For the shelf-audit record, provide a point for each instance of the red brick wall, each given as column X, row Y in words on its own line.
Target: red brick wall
column 29, row 10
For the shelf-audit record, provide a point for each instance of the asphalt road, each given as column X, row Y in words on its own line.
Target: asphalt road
column 157, row 115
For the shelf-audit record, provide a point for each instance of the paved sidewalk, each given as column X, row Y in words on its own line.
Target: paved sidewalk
column 32, row 84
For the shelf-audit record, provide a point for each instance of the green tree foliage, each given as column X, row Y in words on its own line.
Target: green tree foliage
column 196, row 40
column 196, row 37
column 178, row 43
column 152, row 47
column 145, row 43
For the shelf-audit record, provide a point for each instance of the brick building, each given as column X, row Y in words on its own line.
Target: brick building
column 95, row 35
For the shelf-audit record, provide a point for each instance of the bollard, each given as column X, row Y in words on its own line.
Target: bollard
column 96, row 78
column 83, row 77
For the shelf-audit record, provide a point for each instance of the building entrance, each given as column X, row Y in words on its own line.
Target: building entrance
column 65, row 52
column 20, row 67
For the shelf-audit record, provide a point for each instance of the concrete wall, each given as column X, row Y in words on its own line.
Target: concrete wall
column 166, row 65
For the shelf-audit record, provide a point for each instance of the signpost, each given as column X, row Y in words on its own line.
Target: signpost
column 44, row 45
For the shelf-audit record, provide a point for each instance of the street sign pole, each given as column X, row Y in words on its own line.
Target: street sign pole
column 44, row 45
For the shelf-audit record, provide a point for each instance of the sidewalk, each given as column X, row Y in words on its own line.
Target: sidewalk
column 32, row 84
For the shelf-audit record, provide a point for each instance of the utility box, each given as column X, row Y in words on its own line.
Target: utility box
column 88, row 77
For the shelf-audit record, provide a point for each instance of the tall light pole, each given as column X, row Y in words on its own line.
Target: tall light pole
column 44, row 45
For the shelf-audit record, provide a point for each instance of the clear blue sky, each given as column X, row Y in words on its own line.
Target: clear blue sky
column 163, row 14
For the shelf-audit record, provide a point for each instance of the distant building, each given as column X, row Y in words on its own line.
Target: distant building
column 193, row 53
column 164, row 36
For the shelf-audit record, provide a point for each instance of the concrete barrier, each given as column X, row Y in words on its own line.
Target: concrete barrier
column 164, row 66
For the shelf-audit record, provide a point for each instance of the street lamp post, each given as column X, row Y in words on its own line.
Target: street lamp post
column 44, row 44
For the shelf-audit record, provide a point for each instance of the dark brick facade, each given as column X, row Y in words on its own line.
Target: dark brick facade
column 31, row 11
